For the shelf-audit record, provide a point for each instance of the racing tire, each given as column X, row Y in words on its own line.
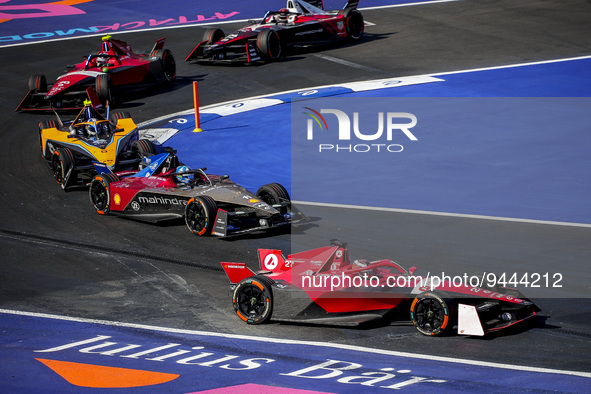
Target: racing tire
column 100, row 192
column 354, row 24
column 211, row 36
column 38, row 83
column 115, row 116
column 253, row 299
column 433, row 314
column 200, row 214
column 103, row 86
column 273, row 194
column 167, row 62
column 269, row 45
column 62, row 162
column 48, row 124
column 143, row 147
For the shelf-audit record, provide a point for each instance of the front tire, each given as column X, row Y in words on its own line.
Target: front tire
column 269, row 45
column 143, row 147
column 62, row 162
column 115, row 116
column 273, row 194
column 211, row 36
column 253, row 299
column 432, row 313
column 100, row 192
column 200, row 214
column 38, row 83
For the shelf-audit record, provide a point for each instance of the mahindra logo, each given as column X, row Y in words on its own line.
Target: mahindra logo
column 389, row 124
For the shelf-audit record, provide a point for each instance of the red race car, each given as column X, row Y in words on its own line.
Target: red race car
column 322, row 286
column 107, row 72
column 300, row 24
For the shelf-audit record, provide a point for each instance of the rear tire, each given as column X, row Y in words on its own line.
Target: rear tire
column 253, row 299
column 100, row 192
column 269, row 45
column 211, row 36
column 354, row 24
column 200, row 214
column 273, row 194
column 61, row 163
column 104, row 89
column 168, row 64
column 38, row 83
column 433, row 314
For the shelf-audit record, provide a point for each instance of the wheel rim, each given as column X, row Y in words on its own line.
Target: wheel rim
column 58, row 169
column 355, row 26
column 196, row 218
column 429, row 315
column 251, row 302
column 268, row 198
column 169, row 67
column 99, row 195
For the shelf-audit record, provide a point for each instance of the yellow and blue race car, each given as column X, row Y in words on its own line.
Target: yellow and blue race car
column 71, row 147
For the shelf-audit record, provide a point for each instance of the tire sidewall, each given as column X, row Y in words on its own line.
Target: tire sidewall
column 106, row 184
column 264, row 285
column 208, row 205
column 448, row 309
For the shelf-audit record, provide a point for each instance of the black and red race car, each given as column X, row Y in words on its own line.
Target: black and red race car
column 322, row 286
column 107, row 72
column 165, row 189
column 300, row 24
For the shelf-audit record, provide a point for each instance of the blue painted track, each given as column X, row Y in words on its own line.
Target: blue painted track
column 508, row 142
column 56, row 358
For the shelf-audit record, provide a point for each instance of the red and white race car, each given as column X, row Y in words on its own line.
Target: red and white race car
column 105, row 73
column 299, row 24
column 322, row 286
column 211, row 204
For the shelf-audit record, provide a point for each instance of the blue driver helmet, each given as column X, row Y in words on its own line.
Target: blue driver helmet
column 188, row 178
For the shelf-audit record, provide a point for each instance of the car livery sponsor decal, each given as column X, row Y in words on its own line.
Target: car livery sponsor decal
column 65, row 354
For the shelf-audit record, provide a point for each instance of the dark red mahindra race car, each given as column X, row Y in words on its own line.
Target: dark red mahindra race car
column 300, row 24
column 105, row 73
column 322, row 286
column 211, row 204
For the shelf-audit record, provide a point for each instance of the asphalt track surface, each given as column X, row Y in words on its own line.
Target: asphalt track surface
column 60, row 257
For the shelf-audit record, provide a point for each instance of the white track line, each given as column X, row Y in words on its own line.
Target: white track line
column 194, row 25
column 298, row 342
column 448, row 214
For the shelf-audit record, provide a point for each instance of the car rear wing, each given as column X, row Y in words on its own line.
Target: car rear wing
column 159, row 44
column 273, row 260
column 351, row 4
column 237, row 271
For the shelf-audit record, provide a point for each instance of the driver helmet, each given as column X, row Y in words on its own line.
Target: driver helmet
column 102, row 61
column 91, row 127
column 283, row 15
column 103, row 129
column 188, row 178
column 361, row 263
